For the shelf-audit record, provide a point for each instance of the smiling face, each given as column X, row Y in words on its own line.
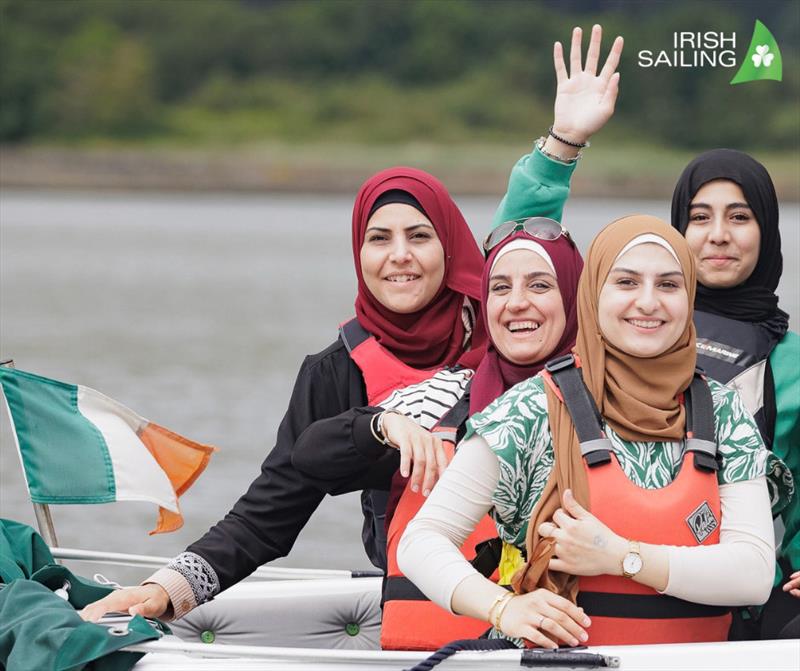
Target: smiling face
column 524, row 308
column 402, row 259
column 643, row 305
column 723, row 235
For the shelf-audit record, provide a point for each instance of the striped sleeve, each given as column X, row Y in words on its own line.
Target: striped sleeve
column 427, row 402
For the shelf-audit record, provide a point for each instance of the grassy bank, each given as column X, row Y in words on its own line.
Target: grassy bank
column 609, row 168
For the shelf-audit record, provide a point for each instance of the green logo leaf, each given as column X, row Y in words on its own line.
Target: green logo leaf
column 763, row 60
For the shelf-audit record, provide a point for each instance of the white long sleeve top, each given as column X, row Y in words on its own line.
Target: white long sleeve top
column 737, row 571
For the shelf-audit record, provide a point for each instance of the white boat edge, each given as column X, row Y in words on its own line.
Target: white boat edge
column 171, row 654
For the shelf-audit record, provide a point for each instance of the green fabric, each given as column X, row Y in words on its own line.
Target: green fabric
column 786, row 445
column 38, row 629
column 65, row 456
column 24, row 555
column 516, row 428
column 22, row 551
column 538, row 187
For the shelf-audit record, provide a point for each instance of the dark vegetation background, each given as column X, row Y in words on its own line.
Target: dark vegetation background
column 462, row 81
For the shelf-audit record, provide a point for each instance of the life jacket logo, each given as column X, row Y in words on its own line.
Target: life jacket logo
column 717, row 350
column 702, row 522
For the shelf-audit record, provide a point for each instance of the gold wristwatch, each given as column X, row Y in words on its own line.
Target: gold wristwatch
column 632, row 561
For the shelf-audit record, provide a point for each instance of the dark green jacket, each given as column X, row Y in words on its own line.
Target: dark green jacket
column 41, row 631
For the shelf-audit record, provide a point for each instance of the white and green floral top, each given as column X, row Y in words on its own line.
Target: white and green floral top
column 516, row 428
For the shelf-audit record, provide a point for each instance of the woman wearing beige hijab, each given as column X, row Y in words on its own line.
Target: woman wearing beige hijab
column 662, row 554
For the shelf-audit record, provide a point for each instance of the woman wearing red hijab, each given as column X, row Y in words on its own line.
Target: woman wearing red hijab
column 418, row 271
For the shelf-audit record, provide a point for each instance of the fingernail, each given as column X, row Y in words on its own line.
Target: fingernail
column 584, row 636
column 414, row 488
column 587, row 622
column 426, row 492
column 404, row 473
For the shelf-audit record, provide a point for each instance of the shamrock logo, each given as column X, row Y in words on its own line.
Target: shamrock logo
column 762, row 55
column 763, row 60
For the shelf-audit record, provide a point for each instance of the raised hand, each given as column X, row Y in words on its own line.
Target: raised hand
column 584, row 99
column 149, row 600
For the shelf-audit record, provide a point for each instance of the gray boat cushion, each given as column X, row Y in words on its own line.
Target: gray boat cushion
column 330, row 613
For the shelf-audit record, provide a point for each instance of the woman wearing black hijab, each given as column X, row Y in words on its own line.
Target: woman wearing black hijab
column 725, row 205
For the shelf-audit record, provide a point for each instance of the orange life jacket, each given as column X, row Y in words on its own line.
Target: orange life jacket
column 383, row 372
column 686, row 512
column 410, row 620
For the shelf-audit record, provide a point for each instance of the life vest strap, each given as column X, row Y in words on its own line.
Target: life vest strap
column 458, row 414
column 353, row 334
column 701, row 435
column 596, row 448
column 586, row 418
column 444, row 434
column 400, row 588
column 645, row 606
column 704, row 453
column 487, row 556
column 596, row 452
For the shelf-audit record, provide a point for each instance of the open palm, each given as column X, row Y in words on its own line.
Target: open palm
column 584, row 99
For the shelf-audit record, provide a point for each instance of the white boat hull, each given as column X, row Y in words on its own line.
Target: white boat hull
column 739, row 656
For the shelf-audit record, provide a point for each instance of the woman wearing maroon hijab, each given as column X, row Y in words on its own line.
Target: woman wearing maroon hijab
column 509, row 359
column 432, row 332
column 418, row 270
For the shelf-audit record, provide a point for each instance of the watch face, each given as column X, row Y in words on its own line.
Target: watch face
column 632, row 563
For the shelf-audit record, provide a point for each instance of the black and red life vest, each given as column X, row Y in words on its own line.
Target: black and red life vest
column 410, row 620
column 686, row 512
column 383, row 372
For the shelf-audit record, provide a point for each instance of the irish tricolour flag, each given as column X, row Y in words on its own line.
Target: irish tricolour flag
column 79, row 446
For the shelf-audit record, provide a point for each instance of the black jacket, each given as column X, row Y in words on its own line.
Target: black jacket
column 265, row 522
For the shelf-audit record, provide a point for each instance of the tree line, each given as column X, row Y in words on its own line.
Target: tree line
column 370, row 71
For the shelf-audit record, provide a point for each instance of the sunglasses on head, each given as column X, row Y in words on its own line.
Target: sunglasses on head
column 540, row 228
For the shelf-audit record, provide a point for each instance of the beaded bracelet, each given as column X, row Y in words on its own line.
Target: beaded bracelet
column 577, row 145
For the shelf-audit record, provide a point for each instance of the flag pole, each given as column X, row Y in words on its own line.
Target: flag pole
column 44, row 520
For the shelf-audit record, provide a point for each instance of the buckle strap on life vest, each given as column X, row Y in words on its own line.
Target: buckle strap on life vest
column 487, row 556
column 458, row 414
column 700, row 433
column 595, row 447
column 644, row 606
column 353, row 334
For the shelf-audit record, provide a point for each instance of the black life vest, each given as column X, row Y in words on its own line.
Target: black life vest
column 736, row 353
